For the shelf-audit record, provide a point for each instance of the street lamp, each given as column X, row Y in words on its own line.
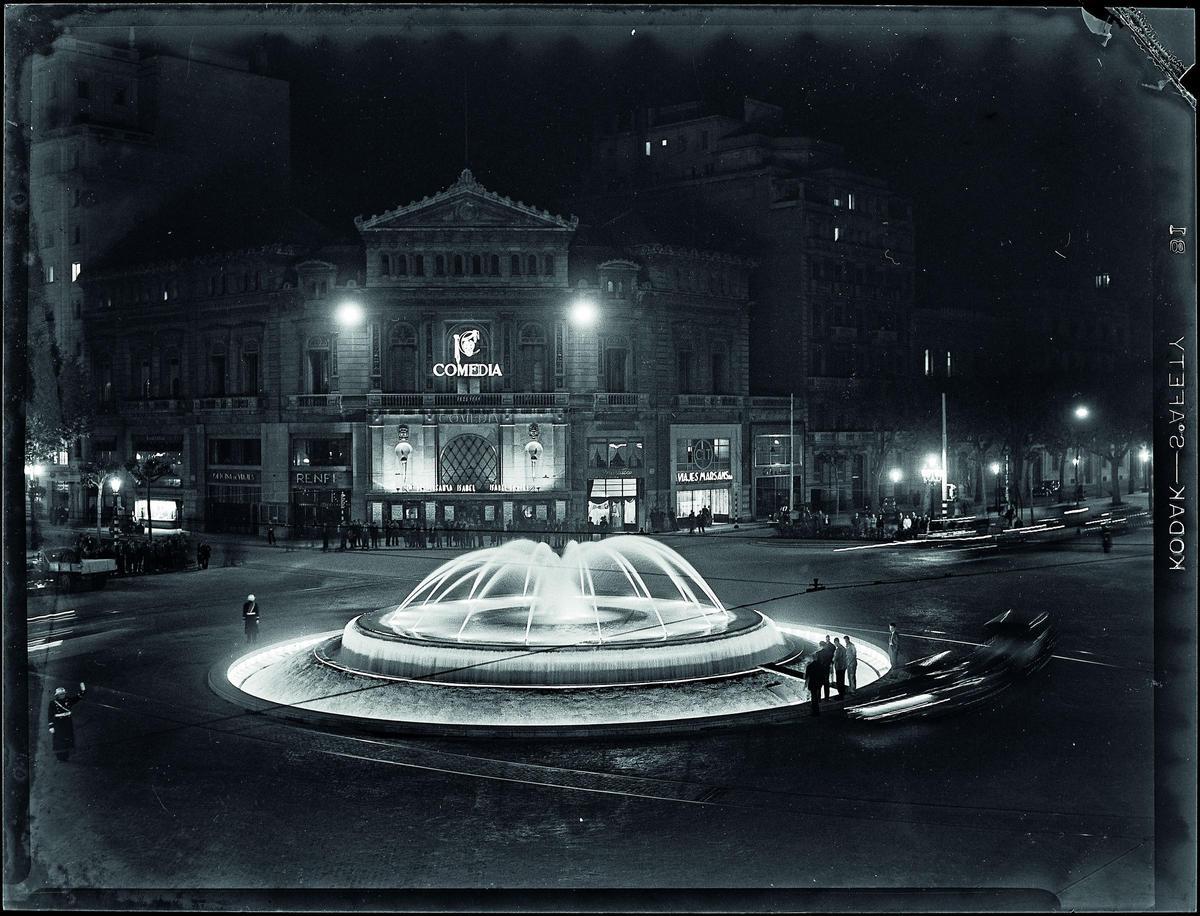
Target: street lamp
column 1144, row 457
column 931, row 473
column 584, row 313
column 350, row 314
column 1081, row 412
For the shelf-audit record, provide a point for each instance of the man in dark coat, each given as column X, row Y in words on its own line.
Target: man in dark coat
column 203, row 552
column 250, row 616
column 815, row 677
column 825, row 656
column 61, row 726
column 894, row 647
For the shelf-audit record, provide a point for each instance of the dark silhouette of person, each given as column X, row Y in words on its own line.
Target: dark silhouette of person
column 814, row 677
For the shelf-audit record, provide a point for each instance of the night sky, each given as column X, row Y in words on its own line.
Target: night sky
column 1013, row 130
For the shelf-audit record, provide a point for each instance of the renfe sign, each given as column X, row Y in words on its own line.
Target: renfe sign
column 467, row 345
column 329, row 479
column 703, row 476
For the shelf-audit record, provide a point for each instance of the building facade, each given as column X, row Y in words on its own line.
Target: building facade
column 833, row 291
column 473, row 359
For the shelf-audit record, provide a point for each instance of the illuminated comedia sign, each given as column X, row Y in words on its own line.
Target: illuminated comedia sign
column 703, row 476
column 467, row 347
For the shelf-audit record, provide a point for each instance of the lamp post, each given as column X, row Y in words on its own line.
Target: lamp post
column 932, row 473
column 994, row 467
column 895, row 475
column 1081, row 413
column 1144, row 456
column 34, row 473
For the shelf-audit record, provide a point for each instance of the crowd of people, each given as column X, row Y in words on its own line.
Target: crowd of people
column 832, row 666
column 137, row 556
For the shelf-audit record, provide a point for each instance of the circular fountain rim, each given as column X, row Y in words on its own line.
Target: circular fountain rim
column 744, row 619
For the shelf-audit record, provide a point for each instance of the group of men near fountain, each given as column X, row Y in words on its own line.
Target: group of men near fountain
column 833, row 664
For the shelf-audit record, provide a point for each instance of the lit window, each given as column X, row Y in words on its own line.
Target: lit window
column 849, row 201
column 927, row 366
column 647, row 147
column 837, row 234
column 1102, row 280
column 49, row 273
column 947, row 363
column 76, row 270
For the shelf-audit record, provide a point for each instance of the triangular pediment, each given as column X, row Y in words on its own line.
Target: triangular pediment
column 465, row 205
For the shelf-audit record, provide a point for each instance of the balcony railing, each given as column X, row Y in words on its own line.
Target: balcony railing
column 241, row 403
column 155, row 405
column 424, row 400
column 708, row 400
column 607, row 400
column 331, row 403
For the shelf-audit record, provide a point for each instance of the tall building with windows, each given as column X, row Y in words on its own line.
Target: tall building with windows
column 469, row 358
column 116, row 132
column 833, row 290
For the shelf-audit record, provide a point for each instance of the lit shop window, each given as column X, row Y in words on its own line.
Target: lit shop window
column 1102, row 280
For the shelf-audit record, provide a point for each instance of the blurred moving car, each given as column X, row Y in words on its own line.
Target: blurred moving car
column 1050, row 488
column 1015, row 647
column 67, row 570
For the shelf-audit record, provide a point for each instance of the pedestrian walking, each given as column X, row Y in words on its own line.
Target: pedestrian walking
column 250, row 615
column 894, row 647
column 271, row 534
column 839, row 666
column 851, row 664
column 62, row 728
column 203, row 552
column 814, row 677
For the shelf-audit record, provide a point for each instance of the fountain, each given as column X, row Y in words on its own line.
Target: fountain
column 621, row 633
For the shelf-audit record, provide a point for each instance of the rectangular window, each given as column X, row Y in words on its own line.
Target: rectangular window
column 217, row 370
column 647, row 147
column 49, row 273
column 702, row 454
column 718, row 373
column 318, row 453
column 772, row 450
column 235, row 451
column 619, row 454
column 250, row 373
column 419, row 265
column 83, row 89
column 614, row 369
column 837, row 233
column 683, row 368
column 76, row 270
column 849, row 201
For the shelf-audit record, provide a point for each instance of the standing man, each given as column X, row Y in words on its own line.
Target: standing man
column 815, row 676
column 839, row 667
column 250, row 616
column 893, row 645
column 851, row 664
column 271, row 533
column 203, row 552
column 61, row 726
column 826, row 654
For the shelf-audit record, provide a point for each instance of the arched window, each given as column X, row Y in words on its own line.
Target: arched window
column 612, row 289
column 494, row 265
column 468, row 460
column 531, row 265
column 548, row 265
column 458, row 265
column 476, row 265
column 317, row 364
column 515, row 265
column 401, row 265
column 385, row 264
column 418, row 265
column 439, row 265
column 172, row 377
column 531, row 367
column 402, row 359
